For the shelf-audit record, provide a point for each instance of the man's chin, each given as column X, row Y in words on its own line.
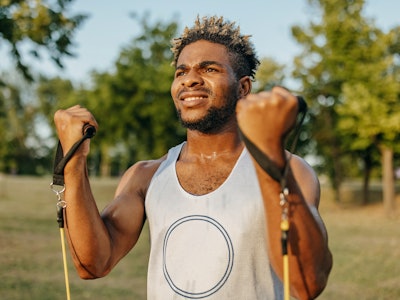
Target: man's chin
column 213, row 121
column 201, row 125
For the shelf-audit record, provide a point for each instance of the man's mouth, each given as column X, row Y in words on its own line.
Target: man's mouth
column 188, row 99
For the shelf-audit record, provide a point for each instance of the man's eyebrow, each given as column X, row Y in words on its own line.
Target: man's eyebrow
column 207, row 63
column 201, row 65
column 181, row 67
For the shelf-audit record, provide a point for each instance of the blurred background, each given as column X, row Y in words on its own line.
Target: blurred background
column 343, row 56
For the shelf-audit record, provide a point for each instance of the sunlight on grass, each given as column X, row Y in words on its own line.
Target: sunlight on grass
column 365, row 245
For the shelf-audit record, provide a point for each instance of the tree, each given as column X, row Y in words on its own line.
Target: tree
column 134, row 101
column 346, row 67
column 29, row 29
column 54, row 93
column 318, row 68
column 370, row 111
column 269, row 74
column 131, row 102
column 39, row 27
column 18, row 138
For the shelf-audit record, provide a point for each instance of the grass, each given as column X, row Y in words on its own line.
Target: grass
column 365, row 245
column 366, row 250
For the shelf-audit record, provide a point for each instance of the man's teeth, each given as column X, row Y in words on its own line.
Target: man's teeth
column 193, row 98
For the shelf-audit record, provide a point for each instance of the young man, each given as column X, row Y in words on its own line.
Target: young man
column 214, row 213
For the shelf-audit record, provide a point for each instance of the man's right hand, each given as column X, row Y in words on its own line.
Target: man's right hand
column 69, row 124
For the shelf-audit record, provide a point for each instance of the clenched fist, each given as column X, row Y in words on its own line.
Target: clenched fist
column 69, row 124
column 266, row 118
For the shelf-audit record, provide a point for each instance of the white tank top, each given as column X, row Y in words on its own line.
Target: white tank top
column 211, row 246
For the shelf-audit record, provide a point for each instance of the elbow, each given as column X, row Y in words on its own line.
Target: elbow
column 90, row 272
column 322, row 280
column 86, row 275
column 315, row 284
column 92, row 265
column 316, row 288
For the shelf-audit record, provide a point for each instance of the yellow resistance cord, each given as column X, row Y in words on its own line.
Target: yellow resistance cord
column 286, row 283
column 65, row 263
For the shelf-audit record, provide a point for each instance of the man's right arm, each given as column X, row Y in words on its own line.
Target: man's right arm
column 98, row 241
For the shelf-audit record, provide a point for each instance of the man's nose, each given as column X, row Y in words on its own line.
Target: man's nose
column 192, row 78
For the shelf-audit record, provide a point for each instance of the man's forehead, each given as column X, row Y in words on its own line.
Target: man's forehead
column 203, row 51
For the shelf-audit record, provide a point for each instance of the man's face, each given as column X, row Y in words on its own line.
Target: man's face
column 205, row 89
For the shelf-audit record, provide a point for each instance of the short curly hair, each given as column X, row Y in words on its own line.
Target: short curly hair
column 214, row 29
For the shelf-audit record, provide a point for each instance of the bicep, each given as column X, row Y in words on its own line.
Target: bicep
column 125, row 215
column 307, row 181
column 309, row 186
column 124, row 219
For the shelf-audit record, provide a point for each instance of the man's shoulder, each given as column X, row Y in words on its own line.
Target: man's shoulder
column 146, row 167
column 138, row 177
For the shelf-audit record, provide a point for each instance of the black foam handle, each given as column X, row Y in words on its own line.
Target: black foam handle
column 302, row 104
column 89, row 130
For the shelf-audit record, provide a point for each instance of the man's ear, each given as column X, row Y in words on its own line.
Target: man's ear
column 245, row 86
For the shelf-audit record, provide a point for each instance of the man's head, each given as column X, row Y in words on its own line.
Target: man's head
column 214, row 29
column 214, row 65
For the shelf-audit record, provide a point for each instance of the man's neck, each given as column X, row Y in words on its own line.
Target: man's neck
column 209, row 147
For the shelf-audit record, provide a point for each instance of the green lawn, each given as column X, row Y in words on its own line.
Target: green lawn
column 365, row 245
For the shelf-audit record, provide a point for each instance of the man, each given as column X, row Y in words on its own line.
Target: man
column 214, row 214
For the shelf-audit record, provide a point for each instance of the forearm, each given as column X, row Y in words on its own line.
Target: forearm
column 88, row 237
column 309, row 256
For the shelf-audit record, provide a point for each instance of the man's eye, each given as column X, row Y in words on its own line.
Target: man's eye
column 179, row 73
column 209, row 69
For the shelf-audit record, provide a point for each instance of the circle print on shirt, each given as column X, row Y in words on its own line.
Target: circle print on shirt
column 197, row 256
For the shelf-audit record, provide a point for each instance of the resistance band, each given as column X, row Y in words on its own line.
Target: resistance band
column 279, row 175
column 58, row 187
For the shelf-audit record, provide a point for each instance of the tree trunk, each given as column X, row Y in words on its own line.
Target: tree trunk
column 367, row 158
column 388, row 181
column 365, row 199
column 105, row 162
column 337, row 172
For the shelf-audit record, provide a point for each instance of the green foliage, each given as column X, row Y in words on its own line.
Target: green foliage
column 29, row 29
column 133, row 104
column 350, row 73
column 269, row 74
column 19, row 141
column 368, row 117
column 38, row 26
column 54, row 93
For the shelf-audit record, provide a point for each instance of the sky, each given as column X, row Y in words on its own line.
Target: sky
column 109, row 27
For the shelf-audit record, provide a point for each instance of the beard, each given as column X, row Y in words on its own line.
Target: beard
column 215, row 119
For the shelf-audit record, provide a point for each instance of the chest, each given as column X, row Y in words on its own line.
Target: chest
column 203, row 178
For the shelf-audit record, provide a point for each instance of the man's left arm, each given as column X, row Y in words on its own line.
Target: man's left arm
column 266, row 119
column 310, row 260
